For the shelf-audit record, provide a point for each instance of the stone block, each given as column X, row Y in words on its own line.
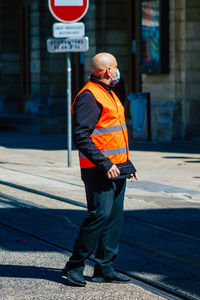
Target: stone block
column 34, row 5
column 91, row 52
column 10, row 79
column 91, row 13
column 172, row 15
column 180, row 90
column 92, row 38
column 180, row 30
column 11, row 45
column 116, row 37
column 193, row 30
column 160, row 90
column 180, row 14
column 35, row 78
column 35, row 89
column 180, row 45
column 192, row 45
column 164, row 132
column 35, row 54
column 158, row 78
column 167, row 120
column 165, row 111
column 179, row 4
column 179, row 61
column 57, row 90
column 172, row 4
column 10, row 57
column 193, row 60
column 180, row 76
column 60, row 78
column 117, row 24
column 90, row 25
column 39, row 90
column 193, row 76
column 193, row 14
column 56, row 66
column 177, row 31
column 193, row 90
column 35, row 19
column 35, row 66
column 118, row 51
column 35, row 43
column 193, row 4
column 194, row 109
column 34, row 30
column 10, row 67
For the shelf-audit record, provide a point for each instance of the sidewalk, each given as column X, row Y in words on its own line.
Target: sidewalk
column 41, row 196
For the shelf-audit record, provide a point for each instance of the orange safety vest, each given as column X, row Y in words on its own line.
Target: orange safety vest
column 110, row 133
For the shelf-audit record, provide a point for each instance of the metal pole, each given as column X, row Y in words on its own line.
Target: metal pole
column 69, row 102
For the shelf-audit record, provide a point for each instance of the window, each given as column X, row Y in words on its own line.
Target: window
column 154, row 36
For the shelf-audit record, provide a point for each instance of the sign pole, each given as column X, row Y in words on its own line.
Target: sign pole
column 68, row 37
column 69, row 102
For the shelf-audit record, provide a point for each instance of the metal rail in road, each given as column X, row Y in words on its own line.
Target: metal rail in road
column 143, row 283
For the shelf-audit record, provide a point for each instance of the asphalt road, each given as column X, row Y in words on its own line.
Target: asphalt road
column 160, row 240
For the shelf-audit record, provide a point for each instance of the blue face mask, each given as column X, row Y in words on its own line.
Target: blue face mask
column 117, row 79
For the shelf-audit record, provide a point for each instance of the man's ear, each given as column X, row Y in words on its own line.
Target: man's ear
column 107, row 73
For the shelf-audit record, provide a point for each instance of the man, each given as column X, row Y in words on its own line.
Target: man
column 100, row 134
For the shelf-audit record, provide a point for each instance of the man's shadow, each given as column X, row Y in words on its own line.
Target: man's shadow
column 50, row 274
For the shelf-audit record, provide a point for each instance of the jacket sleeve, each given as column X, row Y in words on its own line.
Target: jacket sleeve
column 86, row 115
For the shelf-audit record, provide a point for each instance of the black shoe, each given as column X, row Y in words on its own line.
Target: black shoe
column 112, row 277
column 74, row 276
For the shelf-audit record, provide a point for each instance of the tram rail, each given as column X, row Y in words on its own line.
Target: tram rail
column 14, row 202
column 137, row 280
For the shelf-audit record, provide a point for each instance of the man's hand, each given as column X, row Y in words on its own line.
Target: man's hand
column 113, row 172
column 134, row 176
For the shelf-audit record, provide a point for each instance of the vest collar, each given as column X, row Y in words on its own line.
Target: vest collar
column 107, row 87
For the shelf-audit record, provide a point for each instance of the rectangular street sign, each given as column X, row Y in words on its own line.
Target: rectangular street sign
column 63, row 30
column 67, row 45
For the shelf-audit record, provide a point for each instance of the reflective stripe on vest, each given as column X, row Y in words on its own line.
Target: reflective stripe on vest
column 110, row 133
column 109, row 152
column 109, row 129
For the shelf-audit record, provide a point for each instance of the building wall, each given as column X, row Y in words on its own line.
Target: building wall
column 48, row 70
column 10, row 56
column 192, row 77
column 107, row 29
column 176, row 96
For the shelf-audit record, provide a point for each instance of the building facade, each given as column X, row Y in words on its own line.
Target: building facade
column 33, row 81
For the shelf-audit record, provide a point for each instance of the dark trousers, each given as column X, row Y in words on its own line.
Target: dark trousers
column 102, row 225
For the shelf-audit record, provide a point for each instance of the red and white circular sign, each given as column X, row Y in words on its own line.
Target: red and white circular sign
column 68, row 11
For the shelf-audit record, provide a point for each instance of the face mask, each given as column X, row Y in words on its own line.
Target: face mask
column 116, row 80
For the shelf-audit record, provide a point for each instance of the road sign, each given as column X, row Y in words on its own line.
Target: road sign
column 68, row 11
column 68, row 45
column 62, row 30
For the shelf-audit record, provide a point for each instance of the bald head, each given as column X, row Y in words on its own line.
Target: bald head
column 101, row 65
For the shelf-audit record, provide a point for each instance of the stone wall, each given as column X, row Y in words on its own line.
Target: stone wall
column 176, row 96
column 10, row 56
column 167, row 90
column 48, row 70
column 192, row 96
column 107, row 28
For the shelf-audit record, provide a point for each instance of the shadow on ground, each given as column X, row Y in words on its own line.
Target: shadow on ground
column 11, row 139
column 160, row 244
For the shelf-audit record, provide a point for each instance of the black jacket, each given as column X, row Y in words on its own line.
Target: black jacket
column 87, row 112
